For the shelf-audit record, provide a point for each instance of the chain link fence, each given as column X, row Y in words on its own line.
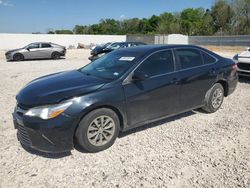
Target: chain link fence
column 220, row 40
column 243, row 40
column 148, row 39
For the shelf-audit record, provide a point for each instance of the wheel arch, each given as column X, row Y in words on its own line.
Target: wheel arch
column 110, row 107
column 225, row 86
column 54, row 52
column 17, row 53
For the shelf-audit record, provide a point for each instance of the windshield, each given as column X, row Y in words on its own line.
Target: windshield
column 110, row 66
column 114, row 46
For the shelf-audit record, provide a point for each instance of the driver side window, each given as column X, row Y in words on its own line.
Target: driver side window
column 158, row 63
column 33, row 46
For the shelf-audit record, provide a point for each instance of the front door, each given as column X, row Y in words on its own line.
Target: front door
column 33, row 51
column 156, row 96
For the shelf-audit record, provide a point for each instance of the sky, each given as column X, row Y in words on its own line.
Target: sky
column 27, row 16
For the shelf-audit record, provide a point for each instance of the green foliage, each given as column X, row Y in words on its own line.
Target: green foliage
column 222, row 14
column 225, row 17
column 64, row 31
column 242, row 17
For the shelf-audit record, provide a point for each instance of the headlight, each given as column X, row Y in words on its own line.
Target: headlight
column 50, row 111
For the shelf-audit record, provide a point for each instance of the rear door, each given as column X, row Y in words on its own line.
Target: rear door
column 46, row 50
column 197, row 73
column 156, row 96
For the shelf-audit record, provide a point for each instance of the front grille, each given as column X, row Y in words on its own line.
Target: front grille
column 21, row 109
column 244, row 66
column 23, row 135
column 22, row 106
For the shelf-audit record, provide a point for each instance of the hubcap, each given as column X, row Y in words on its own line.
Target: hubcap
column 101, row 130
column 217, row 98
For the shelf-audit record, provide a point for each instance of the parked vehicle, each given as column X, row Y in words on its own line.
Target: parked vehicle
column 102, row 50
column 243, row 62
column 38, row 50
column 122, row 90
column 95, row 50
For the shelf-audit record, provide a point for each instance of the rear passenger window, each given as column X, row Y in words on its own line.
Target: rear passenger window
column 189, row 58
column 208, row 59
column 46, row 45
column 158, row 63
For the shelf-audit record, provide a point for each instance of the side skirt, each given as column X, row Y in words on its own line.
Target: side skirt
column 158, row 119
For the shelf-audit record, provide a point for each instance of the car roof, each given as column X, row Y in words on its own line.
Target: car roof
column 152, row 48
column 129, row 42
column 148, row 49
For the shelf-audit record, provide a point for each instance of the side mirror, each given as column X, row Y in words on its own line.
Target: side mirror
column 139, row 76
column 28, row 49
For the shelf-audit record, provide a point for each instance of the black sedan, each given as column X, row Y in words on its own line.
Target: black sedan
column 122, row 90
column 99, row 51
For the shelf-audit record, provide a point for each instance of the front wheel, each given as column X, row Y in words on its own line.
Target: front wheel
column 55, row 55
column 214, row 98
column 98, row 130
column 18, row 57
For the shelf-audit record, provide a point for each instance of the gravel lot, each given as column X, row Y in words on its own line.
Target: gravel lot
column 190, row 150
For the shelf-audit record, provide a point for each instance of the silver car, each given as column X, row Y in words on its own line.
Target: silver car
column 243, row 62
column 38, row 50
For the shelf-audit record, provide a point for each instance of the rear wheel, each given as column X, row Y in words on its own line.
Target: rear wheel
column 98, row 130
column 55, row 55
column 18, row 57
column 214, row 98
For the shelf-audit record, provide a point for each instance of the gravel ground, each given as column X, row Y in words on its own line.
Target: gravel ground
column 193, row 149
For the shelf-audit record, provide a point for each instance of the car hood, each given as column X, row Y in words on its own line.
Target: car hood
column 14, row 50
column 245, row 54
column 57, row 87
column 98, row 49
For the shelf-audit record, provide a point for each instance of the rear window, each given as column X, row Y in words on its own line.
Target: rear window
column 46, row 45
column 208, row 59
column 189, row 58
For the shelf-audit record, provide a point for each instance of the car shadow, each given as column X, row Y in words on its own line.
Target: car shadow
column 27, row 60
column 158, row 123
column 245, row 80
column 44, row 154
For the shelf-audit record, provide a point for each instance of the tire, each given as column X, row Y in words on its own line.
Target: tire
column 92, row 135
column 18, row 57
column 55, row 55
column 214, row 98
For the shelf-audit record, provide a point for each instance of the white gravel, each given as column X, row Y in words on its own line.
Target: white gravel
column 190, row 150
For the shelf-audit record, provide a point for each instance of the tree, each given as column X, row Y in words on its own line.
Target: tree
column 63, row 31
column 165, row 25
column 242, row 17
column 225, row 17
column 50, row 32
column 192, row 21
column 109, row 26
column 222, row 14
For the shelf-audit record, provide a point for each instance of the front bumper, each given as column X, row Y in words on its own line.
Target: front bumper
column 64, row 52
column 243, row 69
column 51, row 136
column 8, row 56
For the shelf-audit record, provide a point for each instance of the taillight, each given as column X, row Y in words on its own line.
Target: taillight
column 234, row 67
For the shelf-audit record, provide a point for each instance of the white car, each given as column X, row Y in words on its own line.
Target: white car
column 243, row 62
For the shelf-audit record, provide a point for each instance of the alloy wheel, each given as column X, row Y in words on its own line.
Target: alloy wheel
column 217, row 98
column 101, row 130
